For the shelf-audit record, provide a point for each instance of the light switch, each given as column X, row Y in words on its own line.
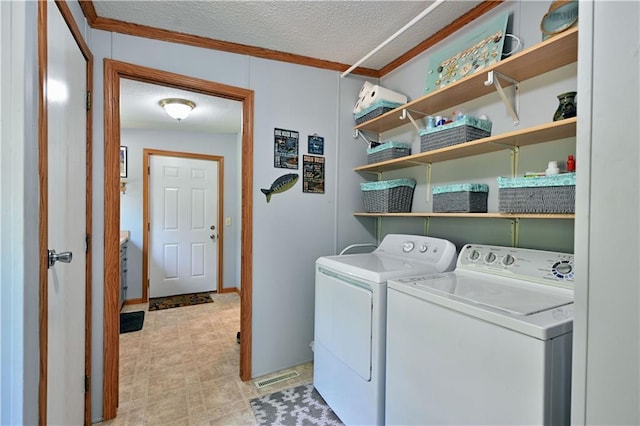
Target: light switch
column 227, row 221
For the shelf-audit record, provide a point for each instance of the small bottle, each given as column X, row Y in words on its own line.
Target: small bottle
column 552, row 168
column 431, row 122
column 571, row 164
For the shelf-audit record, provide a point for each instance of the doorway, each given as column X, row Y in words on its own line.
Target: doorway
column 188, row 186
column 114, row 71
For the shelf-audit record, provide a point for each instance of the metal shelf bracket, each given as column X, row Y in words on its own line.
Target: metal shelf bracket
column 515, row 232
column 493, row 78
column 428, row 182
column 406, row 114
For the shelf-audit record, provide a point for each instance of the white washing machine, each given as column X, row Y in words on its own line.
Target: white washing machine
column 489, row 343
column 350, row 320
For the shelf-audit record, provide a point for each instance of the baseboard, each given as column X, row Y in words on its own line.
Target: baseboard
column 134, row 301
column 230, row 290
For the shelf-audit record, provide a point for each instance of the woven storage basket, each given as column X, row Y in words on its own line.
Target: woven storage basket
column 548, row 194
column 388, row 196
column 460, row 198
column 388, row 151
column 374, row 110
column 460, row 131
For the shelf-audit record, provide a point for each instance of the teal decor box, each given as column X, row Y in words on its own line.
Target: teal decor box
column 547, row 194
column 460, row 198
column 388, row 151
column 464, row 130
column 388, row 196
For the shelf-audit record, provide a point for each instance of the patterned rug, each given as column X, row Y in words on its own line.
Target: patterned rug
column 156, row 303
column 297, row 406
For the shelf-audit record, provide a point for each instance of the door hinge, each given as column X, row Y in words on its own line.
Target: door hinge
column 149, row 170
column 88, row 101
column 87, row 243
column 148, row 226
column 87, row 384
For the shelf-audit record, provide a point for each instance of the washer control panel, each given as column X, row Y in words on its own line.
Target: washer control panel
column 532, row 265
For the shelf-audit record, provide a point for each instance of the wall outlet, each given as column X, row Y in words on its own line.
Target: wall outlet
column 227, row 221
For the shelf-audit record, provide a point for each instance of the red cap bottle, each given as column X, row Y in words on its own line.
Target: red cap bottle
column 571, row 164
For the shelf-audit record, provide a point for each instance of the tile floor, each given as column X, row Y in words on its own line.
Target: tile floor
column 182, row 368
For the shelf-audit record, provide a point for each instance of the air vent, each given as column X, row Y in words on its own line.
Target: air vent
column 277, row 379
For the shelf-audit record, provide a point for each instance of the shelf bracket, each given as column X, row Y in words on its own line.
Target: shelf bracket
column 358, row 134
column 493, row 78
column 515, row 158
column 515, row 232
column 406, row 114
column 428, row 182
column 426, row 226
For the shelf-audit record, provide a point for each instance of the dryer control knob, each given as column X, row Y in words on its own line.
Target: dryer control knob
column 424, row 248
column 508, row 260
column 408, row 246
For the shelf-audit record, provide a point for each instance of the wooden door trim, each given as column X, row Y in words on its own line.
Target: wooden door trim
column 43, row 170
column 146, row 154
column 113, row 72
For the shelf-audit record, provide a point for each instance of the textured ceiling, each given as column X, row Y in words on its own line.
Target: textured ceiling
column 337, row 31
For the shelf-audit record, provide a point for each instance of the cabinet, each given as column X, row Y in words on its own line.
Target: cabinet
column 549, row 55
column 123, row 272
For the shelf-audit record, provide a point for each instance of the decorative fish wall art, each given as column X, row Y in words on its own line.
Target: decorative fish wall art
column 281, row 184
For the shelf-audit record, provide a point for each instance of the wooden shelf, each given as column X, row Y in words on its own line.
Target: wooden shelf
column 474, row 215
column 549, row 55
column 529, row 136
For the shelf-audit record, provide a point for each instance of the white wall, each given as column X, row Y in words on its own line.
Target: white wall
column 537, row 104
column 131, row 203
column 606, row 374
column 19, row 345
column 292, row 230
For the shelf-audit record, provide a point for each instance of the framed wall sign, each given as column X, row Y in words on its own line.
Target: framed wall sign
column 123, row 161
column 285, row 149
column 313, row 174
column 316, row 145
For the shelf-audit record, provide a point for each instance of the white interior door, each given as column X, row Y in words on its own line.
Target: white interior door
column 66, row 94
column 183, row 211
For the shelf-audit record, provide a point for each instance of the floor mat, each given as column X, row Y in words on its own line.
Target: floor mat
column 168, row 302
column 301, row 405
column 131, row 321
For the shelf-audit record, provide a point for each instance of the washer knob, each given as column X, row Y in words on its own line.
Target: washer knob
column 508, row 260
column 408, row 246
column 490, row 257
column 424, row 248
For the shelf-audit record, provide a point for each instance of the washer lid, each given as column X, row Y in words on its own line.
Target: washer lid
column 375, row 267
column 539, row 311
column 510, row 296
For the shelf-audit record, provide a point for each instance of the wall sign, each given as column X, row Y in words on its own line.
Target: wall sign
column 123, row 161
column 285, row 149
column 313, row 174
column 316, row 145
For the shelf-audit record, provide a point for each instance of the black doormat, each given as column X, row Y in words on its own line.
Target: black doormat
column 131, row 321
column 156, row 303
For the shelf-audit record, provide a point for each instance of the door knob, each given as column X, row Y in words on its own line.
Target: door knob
column 212, row 227
column 64, row 257
column 212, row 236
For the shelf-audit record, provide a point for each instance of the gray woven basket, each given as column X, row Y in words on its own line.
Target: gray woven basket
column 460, row 202
column 388, row 154
column 373, row 114
column 544, row 199
column 391, row 200
column 452, row 136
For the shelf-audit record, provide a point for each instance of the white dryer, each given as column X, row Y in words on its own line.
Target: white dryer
column 486, row 344
column 350, row 320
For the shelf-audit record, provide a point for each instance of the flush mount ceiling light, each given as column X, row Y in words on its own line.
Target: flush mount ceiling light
column 177, row 108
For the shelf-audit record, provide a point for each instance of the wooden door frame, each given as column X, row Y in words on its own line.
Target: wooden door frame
column 113, row 72
column 146, row 154
column 43, row 227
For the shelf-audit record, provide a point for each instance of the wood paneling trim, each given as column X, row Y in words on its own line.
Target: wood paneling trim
column 146, row 154
column 122, row 27
column 43, row 210
column 89, row 11
column 246, row 258
column 134, row 301
column 468, row 17
column 113, row 71
column 84, row 48
column 230, row 290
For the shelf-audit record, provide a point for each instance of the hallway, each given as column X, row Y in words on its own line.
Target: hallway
column 182, row 368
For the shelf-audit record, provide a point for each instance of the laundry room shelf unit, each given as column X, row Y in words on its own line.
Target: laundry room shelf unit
column 546, row 56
